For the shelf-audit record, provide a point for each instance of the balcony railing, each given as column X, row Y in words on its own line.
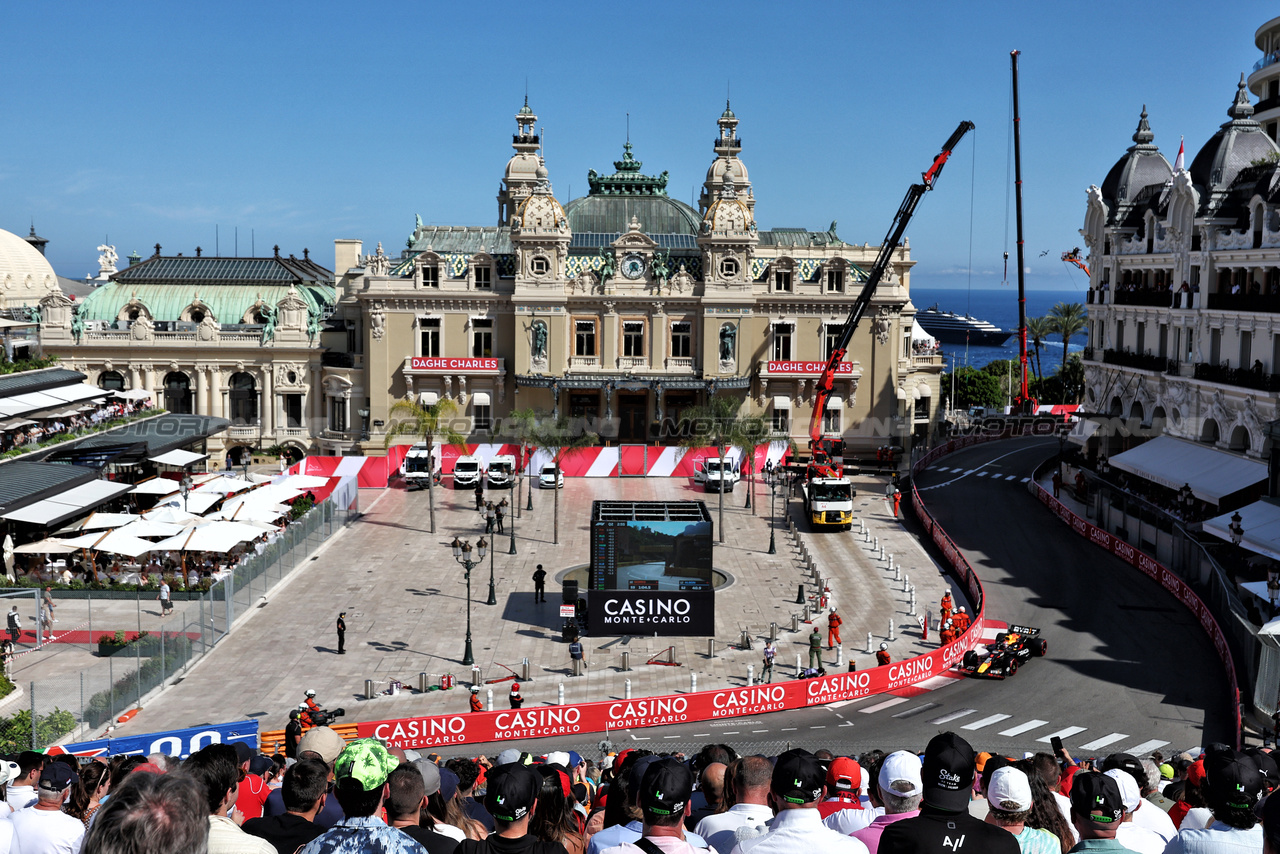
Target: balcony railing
column 1129, row 359
column 336, row 359
column 1158, row 299
column 244, row 431
column 1267, row 59
column 584, row 363
column 1244, row 377
column 1245, row 302
column 679, row 363
column 630, row 363
column 722, row 142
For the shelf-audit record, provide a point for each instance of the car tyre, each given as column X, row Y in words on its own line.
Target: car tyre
column 1040, row 647
column 1000, row 638
column 970, row 659
column 1011, row 668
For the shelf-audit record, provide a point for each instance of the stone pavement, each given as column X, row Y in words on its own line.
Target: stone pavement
column 406, row 605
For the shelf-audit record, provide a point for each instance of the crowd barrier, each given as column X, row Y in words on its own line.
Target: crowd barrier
column 1162, row 575
column 581, row 718
column 175, row 742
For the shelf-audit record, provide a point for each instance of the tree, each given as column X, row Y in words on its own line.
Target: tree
column 1069, row 319
column 1038, row 331
column 756, row 431
column 559, row 438
column 973, row 387
column 411, row 418
column 519, row 427
column 717, row 423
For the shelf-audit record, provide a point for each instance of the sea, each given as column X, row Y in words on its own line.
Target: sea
column 1000, row 307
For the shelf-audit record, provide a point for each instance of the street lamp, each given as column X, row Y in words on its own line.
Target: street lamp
column 773, row 509
column 245, row 459
column 511, row 550
column 462, row 554
column 528, row 466
column 482, row 545
column 184, row 486
column 1236, row 529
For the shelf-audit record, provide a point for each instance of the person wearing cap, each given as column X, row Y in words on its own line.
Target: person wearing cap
column 45, row 827
column 324, row 745
column 748, row 788
column 833, row 628
column 292, row 734
column 252, row 792
column 843, row 811
column 944, row 822
column 214, row 768
column 360, row 786
column 897, row 791
column 1009, row 802
column 514, row 697
column 511, row 799
column 304, row 792
column 664, row 795
column 615, row 835
column 477, row 705
column 406, row 797
column 1097, row 811
column 1129, row 834
column 1143, row 814
column 342, row 633
column 815, row 650
column 797, row 785
column 945, row 607
column 1232, row 787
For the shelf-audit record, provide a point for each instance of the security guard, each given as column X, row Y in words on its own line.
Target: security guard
column 815, row 650
column 515, row 697
column 833, row 629
column 342, row 633
column 292, row 734
column 476, row 705
column 882, row 655
column 946, row 606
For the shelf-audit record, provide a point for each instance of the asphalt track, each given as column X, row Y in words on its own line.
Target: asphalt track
column 1127, row 667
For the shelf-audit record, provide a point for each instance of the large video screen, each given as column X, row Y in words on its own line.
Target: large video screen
column 651, row 555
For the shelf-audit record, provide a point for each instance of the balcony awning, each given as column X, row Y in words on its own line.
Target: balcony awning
column 1261, row 523
column 781, row 401
column 480, row 398
column 835, row 402
column 179, row 458
column 73, row 502
column 428, row 398
column 1171, row 462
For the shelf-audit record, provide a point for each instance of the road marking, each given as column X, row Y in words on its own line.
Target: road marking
column 987, row 721
column 971, row 471
column 1012, row 477
column 918, row 710
column 1024, row 480
column 702, row 735
column 847, row 723
column 639, row 738
column 734, row 732
column 1021, row 728
column 821, row 726
column 951, row 716
column 982, row 474
column 1146, row 747
column 879, row 707
column 789, row 729
column 1063, row 733
column 843, row 703
column 759, row 730
column 1099, row 743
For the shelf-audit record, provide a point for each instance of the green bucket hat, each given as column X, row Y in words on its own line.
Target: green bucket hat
column 367, row 762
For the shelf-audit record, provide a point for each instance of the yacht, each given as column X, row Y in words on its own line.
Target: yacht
column 952, row 328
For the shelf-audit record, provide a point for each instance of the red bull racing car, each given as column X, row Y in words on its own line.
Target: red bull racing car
column 1009, row 651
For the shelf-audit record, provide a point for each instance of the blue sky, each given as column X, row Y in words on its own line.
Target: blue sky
column 155, row 122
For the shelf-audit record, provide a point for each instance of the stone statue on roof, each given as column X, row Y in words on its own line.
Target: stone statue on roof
column 77, row 321
column 313, row 324
column 107, row 261
column 661, row 266
column 607, row 268
column 268, row 323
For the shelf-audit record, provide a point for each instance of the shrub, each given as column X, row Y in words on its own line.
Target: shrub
column 15, row 732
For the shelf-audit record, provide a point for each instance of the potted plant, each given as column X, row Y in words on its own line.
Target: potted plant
column 110, row 644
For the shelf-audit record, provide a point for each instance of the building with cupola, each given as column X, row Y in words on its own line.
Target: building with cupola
column 624, row 306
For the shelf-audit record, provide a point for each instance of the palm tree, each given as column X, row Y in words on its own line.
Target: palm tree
column 519, row 427
column 1069, row 319
column 559, row 438
column 411, row 418
column 1038, row 330
column 717, row 423
column 756, row 431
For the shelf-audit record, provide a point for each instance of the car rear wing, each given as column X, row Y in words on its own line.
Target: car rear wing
column 1024, row 630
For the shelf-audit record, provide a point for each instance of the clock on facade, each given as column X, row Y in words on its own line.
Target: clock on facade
column 633, row 266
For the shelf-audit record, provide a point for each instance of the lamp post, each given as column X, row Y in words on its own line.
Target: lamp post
column 482, row 545
column 184, row 486
column 511, row 550
column 244, row 464
column 1236, row 529
column 462, row 554
column 773, row 510
column 529, row 469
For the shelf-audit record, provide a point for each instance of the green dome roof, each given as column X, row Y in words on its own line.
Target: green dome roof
column 612, row 215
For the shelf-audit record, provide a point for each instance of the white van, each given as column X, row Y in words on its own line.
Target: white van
column 466, row 472
column 502, row 471
column 417, row 465
column 716, row 480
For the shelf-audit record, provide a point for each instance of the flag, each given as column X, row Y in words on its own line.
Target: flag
column 1180, row 163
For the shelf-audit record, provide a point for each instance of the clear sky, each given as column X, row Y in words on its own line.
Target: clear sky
column 147, row 123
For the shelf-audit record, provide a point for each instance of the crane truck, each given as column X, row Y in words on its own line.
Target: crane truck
column 826, row 491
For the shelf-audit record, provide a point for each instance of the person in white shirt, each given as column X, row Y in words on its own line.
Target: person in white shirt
column 45, row 828
column 664, row 796
column 1145, row 815
column 1130, row 835
column 22, row 791
column 798, row 785
column 748, row 789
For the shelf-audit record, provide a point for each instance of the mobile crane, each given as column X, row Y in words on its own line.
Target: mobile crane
column 1073, row 257
column 827, row 493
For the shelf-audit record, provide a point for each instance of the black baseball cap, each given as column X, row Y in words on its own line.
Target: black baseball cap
column 56, row 776
column 1096, row 791
column 1128, row 763
column 1233, row 779
column 512, row 790
column 666, row 787
column 947, row 772
column 798, row 777
column 1266, row 766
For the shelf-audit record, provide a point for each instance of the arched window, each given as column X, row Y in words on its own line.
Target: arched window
column 243, row 398
column 177, row 393
column 111, row 381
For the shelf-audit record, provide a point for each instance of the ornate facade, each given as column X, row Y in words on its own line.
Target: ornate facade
column 624, row 305
column 235, row 338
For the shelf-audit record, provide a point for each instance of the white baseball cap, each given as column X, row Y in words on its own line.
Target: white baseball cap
column 1009, row 790
column 558, row 757
column 1129, row 794
column 901, row 765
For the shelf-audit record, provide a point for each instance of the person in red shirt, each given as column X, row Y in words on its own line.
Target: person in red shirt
column 312, row 705
column 882, row 655
column 833, row 629
column 961, row 621
column 476, row 705
column 1191, row 796
column 947, row 634
column 252, row 792
column 946, row 606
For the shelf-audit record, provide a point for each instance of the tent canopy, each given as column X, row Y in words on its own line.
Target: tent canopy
column 156, row 486
column 215, row 537
column 1261, row 523
column 179, row 458
column 1171, row 462
column 69, row 504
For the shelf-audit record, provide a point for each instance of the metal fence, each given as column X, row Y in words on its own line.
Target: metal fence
column 121, row 676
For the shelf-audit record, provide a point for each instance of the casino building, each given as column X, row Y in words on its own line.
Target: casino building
column 625, row 305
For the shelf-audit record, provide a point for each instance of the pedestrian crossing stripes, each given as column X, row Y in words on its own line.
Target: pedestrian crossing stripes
column 1021, row 728
column 1146, row 747
column 951, row 716
column 1062, row 733
column 994, row 475
column 987, row 721
column 879, row 707
column 1099, row 743
column 918, row 710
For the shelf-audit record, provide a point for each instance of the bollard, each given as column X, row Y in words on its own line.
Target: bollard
column 746, row 639
column 912, row 610
column 773, row 631
column 524, row 670
column 693, row 683
column 897, row 573
column 870, row 644
column 839, row 656
column 891, row 562
column 882, row 551
column 751, row 675
column 800, row 597
column 626, row 661
column 626, row 689
column 711, row 647
column 891, row 637
column 577, row 667
column 799, row 667
column 808, row 615
column 489, row 697
column 866, row 535
column 906, row 582
column 423, row 681
column 795, row 623
column 368, row 689
column 476, row 678
column 560, row 695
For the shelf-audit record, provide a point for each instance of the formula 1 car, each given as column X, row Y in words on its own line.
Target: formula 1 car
column 1006, row 654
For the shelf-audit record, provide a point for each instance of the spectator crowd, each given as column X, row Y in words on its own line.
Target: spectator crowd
column 332, row 797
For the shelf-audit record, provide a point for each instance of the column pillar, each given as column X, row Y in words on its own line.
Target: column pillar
column 658, row 338
column 216, row 404
column 202, row 391
column 135, row 378
column 150, row 384
column 268, row 403
column 346, row 407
